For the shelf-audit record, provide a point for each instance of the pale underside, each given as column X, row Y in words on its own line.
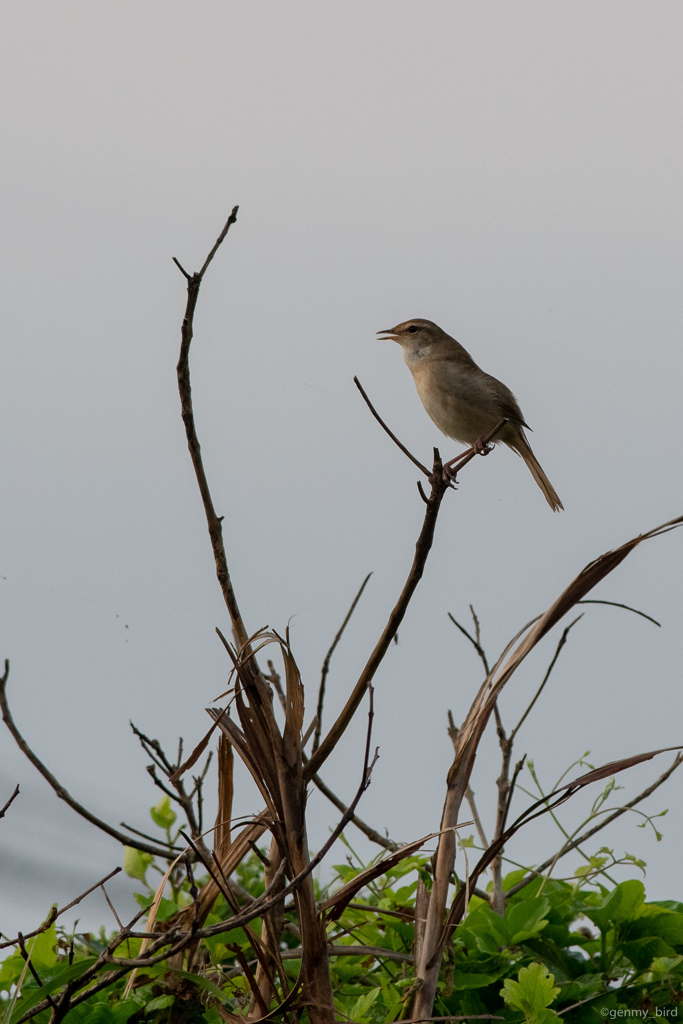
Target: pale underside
column 464, row 402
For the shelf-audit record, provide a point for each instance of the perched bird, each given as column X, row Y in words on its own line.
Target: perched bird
column 463, row 401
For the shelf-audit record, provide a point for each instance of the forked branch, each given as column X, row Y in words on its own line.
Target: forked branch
column 213, row 521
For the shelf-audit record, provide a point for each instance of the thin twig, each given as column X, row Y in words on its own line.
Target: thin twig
column 560, row 644
column 178, row 793
column 11, row 800
column 338, row 950
column 61, row 792
column 616, row 604
column 401, row 915
column 111, row 906
column 207, row 865
column 55, row 913
column 475, row 643
column 87, row 976
column 274, row 679
column 678, row 760
column 391, row 434
column 511, row 790
column 153, row 749
column 172, row 849
column 372, row 834
column 36, row 977
column 422, row 549
column 328, row 658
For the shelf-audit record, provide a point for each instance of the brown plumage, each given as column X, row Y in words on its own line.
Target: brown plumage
column 463, row 401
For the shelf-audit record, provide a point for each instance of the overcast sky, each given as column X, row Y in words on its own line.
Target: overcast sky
column 511, row 171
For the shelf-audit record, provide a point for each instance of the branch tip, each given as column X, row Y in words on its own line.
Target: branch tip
column 181, row 268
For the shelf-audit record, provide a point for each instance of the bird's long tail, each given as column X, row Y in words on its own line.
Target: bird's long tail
column 523, row 448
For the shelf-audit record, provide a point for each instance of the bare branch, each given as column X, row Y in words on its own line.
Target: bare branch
column 328, row 658
column 422, row 549
column 213, row 521
column 61, row 792
column 475, row 643
column 137, row 832
column 407, row 915
column 391, row 434
column 378, row 951
column 560, row 644
column 372, row 834
column 55, row 913
column 617, row 604
column 111, row 906
column 9, row 803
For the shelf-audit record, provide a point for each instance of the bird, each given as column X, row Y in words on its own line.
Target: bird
column 463, row 401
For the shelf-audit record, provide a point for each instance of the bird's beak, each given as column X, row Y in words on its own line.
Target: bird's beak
column 389, row 334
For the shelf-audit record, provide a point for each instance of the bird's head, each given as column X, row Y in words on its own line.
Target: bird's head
column 414, row 334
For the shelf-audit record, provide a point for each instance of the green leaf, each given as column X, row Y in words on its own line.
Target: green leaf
column 103, row 1013
column 162, row 815
column 526, row 919
column 583, row 987
column 622, row 904
column 212, row 1016
column 512, row 878
column 670, row 928
column 100, row 1013
column 392, row 998
column 135, row 863
column 44, row 949
column 595, row 863
column 160, row 1003
column 478, row 972
column 642, row 952
column 36, row 995
column 532, row 993
column 10, row 972
column 665, row 964
column 362, row 1005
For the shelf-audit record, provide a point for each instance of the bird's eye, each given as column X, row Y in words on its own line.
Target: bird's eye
column 413, row 329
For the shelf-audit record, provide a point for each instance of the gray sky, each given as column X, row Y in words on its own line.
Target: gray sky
column 511, row 171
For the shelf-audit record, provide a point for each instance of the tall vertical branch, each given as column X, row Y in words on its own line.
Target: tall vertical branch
column 213, row 521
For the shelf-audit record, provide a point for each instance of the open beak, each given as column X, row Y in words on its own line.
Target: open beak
column 389, row 334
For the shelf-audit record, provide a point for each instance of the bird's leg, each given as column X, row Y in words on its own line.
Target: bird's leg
column 451, row 467
column 481, row 447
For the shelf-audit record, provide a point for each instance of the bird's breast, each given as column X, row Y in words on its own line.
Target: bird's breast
column 455, row 399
